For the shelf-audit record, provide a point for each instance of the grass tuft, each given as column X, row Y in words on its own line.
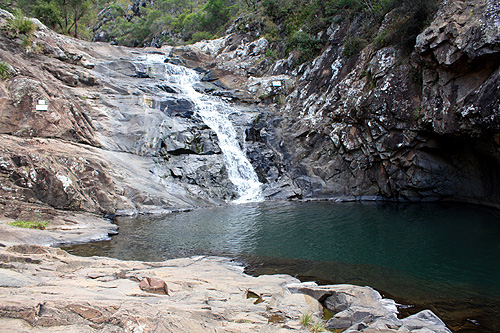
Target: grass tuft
column 5, row 71
column 29, row 224
column 317, row 326
column 306, row 319
column 20, row 25
column 312, row 323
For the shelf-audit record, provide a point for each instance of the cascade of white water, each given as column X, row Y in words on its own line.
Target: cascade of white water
column 215, row 114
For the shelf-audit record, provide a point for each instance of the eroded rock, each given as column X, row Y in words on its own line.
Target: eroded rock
column 362, row 309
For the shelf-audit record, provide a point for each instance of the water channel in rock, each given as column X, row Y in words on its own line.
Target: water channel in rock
column 439, row 256
column 215, row 113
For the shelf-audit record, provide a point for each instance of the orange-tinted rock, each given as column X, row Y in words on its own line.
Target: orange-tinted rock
column 154, row 285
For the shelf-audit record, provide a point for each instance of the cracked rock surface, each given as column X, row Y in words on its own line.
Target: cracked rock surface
column 45, row 289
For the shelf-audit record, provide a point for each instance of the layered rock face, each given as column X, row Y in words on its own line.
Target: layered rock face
column 44, row 154
column 384, row 125
column 381, row 124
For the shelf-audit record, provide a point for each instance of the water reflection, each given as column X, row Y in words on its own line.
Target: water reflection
column 449, row 244
column 425, row 252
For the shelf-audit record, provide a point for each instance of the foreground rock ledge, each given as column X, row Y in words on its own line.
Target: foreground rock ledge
column 46, row 289
column 64, row 228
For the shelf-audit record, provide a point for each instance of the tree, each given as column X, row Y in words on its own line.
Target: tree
column 217, row 14
column 61, row 15
column 77, row 9
column 49, row 14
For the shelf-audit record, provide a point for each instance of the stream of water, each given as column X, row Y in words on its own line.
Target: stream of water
column 215, row 114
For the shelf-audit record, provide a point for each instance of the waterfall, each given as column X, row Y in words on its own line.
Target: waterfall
column 215, row 114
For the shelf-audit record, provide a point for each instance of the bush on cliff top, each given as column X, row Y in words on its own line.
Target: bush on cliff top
column 20, row 25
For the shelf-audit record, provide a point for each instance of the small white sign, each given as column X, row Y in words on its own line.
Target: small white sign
column 276, row 83
column 41, row 106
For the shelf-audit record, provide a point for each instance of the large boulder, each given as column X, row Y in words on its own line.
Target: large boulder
column 362, row 309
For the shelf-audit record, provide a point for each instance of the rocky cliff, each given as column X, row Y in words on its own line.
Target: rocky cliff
column 382, row 123
column 378, row 124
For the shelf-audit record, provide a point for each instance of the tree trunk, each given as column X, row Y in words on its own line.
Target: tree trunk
column 322, row 7
column 76, row 24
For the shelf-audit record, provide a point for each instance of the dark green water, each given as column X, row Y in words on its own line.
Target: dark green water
column 442, row 257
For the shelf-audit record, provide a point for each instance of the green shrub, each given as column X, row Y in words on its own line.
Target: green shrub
column 271, row 30
column 353, row 46
column 5, row 71
column 20, row 25
column 49, row 13
column 270, row 53
column 417, row 113
column 413, row 17
column 308, row 46
column 216, row 15
column 421, row 12
column 201, row 35
column 30, row 224
column 380, row 40
column 117, row 9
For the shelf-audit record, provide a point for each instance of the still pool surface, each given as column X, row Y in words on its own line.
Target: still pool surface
column 442, row 257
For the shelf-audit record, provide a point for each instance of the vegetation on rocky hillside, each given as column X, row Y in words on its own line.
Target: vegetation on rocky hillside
column 72, row 17
column 290, row 25
column 5, row 71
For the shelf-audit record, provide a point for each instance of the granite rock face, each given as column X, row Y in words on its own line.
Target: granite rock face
column 112, row 138
column 459, row 53
column 62, row 176
column 382, row 125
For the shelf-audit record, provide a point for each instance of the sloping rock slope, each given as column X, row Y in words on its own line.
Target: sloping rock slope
column 102, row 145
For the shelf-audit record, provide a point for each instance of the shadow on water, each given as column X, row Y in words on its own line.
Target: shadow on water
column 440, row 257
